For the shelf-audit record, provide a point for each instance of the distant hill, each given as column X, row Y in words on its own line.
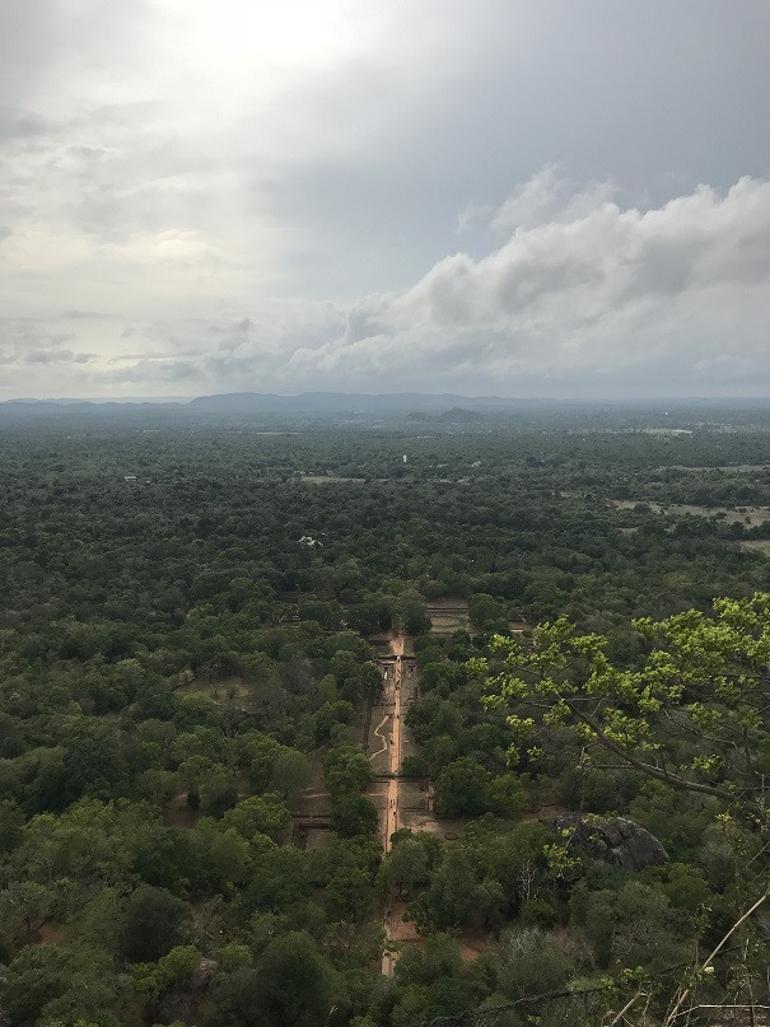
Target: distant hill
column 267, row 407
column 344, row 403
column 447, row 409
column 457, row 415
column 450, row 411
column 39, row 409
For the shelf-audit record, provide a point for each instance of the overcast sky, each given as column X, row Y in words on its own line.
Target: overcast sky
column 510, row 197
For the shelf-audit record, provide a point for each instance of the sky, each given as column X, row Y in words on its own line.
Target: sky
column 492, row 197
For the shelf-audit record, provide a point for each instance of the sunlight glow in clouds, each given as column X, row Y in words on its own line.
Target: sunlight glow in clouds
column 490, row 197
column 592, row 291
column 294, row 35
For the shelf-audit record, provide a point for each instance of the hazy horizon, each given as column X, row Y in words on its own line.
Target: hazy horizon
column 631, row 402
column 495, row 198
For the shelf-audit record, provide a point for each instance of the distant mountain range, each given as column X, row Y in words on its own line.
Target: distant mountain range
column 447, row 405
column 344, row 402
column 450, row 409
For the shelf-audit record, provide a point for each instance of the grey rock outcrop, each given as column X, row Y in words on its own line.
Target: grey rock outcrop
column 615, row 839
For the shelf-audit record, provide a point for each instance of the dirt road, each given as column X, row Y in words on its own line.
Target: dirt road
column 391, row 818
column 392, row 807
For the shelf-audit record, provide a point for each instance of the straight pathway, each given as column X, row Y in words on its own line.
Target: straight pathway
column 397, row 645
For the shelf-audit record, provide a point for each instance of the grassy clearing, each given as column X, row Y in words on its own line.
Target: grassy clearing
column 724, row 468
column 326, row 479
column 448, row 615
column 751, row 516
column 756, row 545
column 229, row 688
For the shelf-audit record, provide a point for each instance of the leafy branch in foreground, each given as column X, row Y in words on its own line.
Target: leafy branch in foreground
column 692, row 713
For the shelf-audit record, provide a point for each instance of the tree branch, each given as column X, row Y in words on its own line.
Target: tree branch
column 741, row 919
column 662, row 775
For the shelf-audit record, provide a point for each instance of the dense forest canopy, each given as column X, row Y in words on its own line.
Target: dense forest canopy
column 192, row 620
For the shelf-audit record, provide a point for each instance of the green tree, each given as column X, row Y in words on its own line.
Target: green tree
column 11, row 823
column 290, row 773
column 259, row 814
column 353, row 815
column 530, row 963
column 53, row 984
column 176, row 967
column 155, row 922
column 690, row 716
column 347, row 769
column 25, row 906
column 291, row 986
column 433, row 984
column 329, row 716
column 451, row 899
column 413, row 614
column 461, row 788
column 409, row 863
column 485, row 613
column 506, row 795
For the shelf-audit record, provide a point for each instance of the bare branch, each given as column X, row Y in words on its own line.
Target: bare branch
column 741, row 919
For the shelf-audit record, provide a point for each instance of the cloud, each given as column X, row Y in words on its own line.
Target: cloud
column 581, row 296
column 269, row 195
column 56, row 356
column 470, row 215
column 548, row 197
column 164, row 369
column 27, row 344
column 20, row 124
column 85, row 315
column 581, row 287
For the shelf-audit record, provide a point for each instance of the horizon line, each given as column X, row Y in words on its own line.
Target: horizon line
column 101, row 399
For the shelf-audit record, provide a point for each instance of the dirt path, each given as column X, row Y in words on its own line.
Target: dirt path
column 397, row 646
column 378, row 734
column 391, row 818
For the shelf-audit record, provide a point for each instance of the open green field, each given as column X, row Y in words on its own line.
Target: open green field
column 751, row 516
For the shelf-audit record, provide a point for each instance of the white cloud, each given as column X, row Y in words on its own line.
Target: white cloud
column 548, row 197
column 582, row 287
column 591, row 298
column 177, row 168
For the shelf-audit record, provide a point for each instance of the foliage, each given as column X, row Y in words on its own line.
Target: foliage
column 176, row 670
column 689, row 715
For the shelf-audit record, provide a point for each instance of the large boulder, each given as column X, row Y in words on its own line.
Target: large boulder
column 615, row 839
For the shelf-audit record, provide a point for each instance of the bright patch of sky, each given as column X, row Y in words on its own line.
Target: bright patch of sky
column 490, row 196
